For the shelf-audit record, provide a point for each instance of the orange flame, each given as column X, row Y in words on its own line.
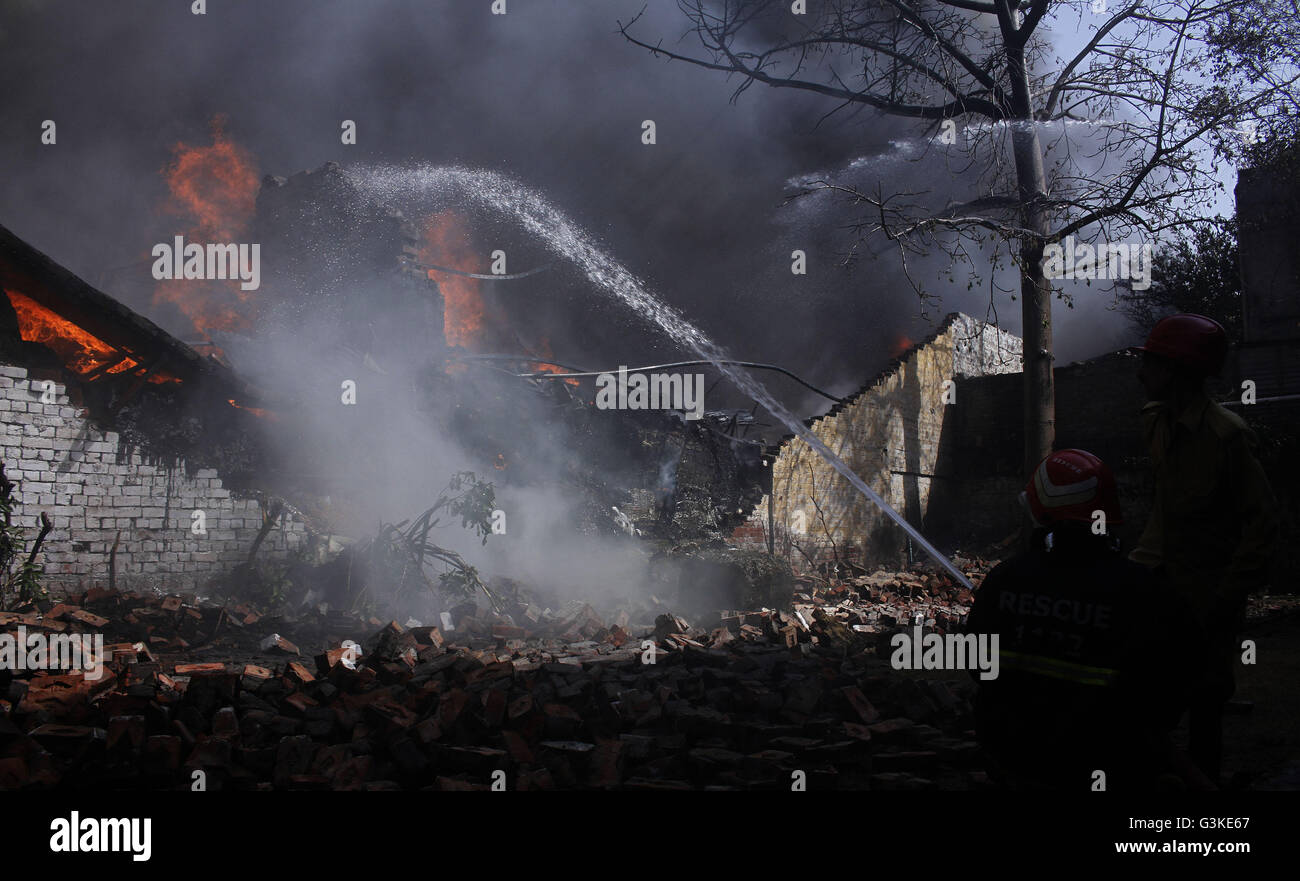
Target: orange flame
column 465, row 315
column 543, row 367
column 80, row 351
column 214, row 188
column 901, row 344
column 256, row 411
column 544, row 349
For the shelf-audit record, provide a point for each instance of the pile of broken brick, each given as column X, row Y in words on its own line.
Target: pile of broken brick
column 766, row 699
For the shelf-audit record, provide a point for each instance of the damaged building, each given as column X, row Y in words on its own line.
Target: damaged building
column 762, row 668
column 141, row 451
column 898, row 432
column 160, row 465
column 938, row 433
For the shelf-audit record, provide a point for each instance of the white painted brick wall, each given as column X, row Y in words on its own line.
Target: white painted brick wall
column 67, row 468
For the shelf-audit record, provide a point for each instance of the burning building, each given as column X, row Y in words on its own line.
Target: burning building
column 133, row 439
column 130, row 440
column 122, row 434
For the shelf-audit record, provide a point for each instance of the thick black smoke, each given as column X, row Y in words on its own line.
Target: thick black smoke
column 549, row 93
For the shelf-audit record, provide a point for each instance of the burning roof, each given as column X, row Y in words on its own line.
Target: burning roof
column 163, row 397
column 94, row 336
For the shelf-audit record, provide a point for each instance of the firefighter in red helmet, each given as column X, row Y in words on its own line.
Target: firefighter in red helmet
column 1094, row 660
column 1073, row 486
column 1213, row 523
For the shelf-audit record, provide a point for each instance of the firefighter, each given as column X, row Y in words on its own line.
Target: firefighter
column 1093, row 658
column 1213, row 522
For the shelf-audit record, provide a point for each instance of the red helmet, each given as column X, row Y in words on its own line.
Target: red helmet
column 1071, row 485
column 1193, row 341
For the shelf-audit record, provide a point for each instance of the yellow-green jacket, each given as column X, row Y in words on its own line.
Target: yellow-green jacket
column 1213, row 525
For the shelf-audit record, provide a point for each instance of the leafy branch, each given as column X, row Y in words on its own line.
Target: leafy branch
column 23, row 580
column 401, row 553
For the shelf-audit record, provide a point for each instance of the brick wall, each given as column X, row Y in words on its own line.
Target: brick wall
column 91, row 489
column 971, row 451
column 1098, row 407
column 896, row 434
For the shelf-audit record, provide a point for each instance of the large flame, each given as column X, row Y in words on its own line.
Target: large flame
column 214, row 190
column 81, row 351
column 465, row 315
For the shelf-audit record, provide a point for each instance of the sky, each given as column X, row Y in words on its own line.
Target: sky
column 548, row 93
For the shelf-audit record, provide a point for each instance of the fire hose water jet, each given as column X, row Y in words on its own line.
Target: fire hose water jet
column 398, row 185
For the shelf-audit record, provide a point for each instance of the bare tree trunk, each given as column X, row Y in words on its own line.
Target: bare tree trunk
column 1035, row 293
column 1039, row 384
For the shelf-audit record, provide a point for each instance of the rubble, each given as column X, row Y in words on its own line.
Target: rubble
column 555, row 699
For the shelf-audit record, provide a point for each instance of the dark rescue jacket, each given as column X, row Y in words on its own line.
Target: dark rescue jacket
column 1096, row 665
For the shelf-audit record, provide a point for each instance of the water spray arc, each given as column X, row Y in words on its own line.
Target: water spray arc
column 495, row 192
